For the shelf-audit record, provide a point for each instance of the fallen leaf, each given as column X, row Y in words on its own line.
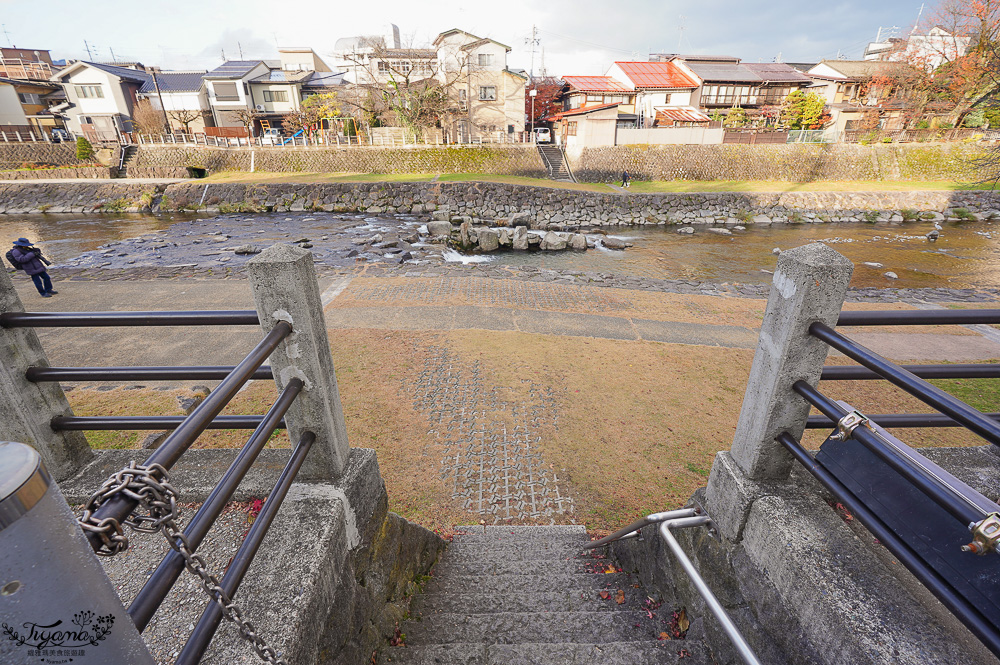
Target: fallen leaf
column 664, row 636
column 682, row 622
column 620, row 598
column 610, row 569
column 605, row 595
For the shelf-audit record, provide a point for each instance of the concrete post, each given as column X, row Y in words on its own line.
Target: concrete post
column 285, row 288
column 810, row 284
column 26, row 408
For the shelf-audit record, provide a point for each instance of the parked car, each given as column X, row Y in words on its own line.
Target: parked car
column 59, row 135
column 542, row 135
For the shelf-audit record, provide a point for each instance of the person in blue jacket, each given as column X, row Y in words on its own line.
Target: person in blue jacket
column 33, row 263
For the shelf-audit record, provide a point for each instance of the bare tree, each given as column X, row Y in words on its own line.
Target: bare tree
column 247, row 117
column 184, row 117
column 312, row 111
column 146, row 119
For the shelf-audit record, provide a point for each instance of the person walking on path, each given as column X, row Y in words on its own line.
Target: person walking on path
column 626, row 179
column 29, row 259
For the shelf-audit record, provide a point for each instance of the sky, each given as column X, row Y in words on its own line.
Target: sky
column 575, row 37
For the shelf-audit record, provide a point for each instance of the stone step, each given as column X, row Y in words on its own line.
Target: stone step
column 512, row 584
column 558, row 550
column 545, row 627
column 664, row 652
column 565, row 600
column 536, row 567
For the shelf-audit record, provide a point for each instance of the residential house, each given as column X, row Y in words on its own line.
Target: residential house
column 100, row 98
column 859, row 93
column 23, row 63
column 594, row 107
column 928, row 51
column 228, row 90
column 489, row 96
column 663, row 93
column 37, row 99
column 11, row 114
column 301, row 59
column 183, row 97
column 378, row 58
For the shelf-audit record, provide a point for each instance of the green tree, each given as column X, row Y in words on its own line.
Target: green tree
column 312, row 110
column 804, row 110
column 736, row 117
column 84, row 151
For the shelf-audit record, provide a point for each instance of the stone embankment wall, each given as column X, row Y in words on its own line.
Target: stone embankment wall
column 12, row 155
column 791, row 162
column 89, row 172
column 545, row 207
column 498, row 160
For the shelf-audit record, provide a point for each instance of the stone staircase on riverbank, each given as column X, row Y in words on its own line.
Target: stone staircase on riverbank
column 530, row 596
column 555, row 163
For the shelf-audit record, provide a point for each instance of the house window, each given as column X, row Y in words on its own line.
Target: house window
column 571, row 128
column 463, row 100
column 226, row 92
column 275, row 95
column 89, row 91
column 29, row 98
column 383, row 66
column 485, row 59
column 487, row 93
column 595, row 98
column 666, row 98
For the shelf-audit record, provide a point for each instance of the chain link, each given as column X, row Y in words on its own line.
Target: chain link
column 149, row 486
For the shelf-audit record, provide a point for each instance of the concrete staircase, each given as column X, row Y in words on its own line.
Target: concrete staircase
column 529, row 596
column 555, row 162
column 130, row 152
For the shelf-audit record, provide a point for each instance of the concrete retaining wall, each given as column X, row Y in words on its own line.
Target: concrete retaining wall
column 490, row 201
column 12, row 155
column 57, row 174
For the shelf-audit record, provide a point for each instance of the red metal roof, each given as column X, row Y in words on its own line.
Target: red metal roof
column 595, row 84
column 656, row 75
column 579, row 111
column 680, row 115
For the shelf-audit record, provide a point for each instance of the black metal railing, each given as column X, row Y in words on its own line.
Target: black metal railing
column 118, row 503
column 916, row 509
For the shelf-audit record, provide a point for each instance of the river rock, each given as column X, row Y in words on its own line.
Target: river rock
column 247, row 249
column 463, row 235
column 443, row 215
column 614, row 243
column 438, row 228
column 761, row 219
column 872, row 264
column 891, row 275
column 520, row 239
column 553, row 241
column 721, row 232
column 578, row 241
column 504, row 236
column 776, row 251
column 686, row 229
column 489, row 240
column 520, row 219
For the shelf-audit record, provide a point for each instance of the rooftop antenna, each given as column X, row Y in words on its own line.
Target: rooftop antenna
column 891, row 31
column 223, row 54
column 114, row 58
column 545, row 72
column 7, row 35
column 240, row 46
column 89, row 54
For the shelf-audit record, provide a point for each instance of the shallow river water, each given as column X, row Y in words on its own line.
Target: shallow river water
column 966, row 254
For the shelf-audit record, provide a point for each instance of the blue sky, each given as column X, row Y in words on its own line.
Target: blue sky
column 578, row 36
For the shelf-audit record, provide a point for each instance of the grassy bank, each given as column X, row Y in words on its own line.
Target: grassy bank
column 638, row 187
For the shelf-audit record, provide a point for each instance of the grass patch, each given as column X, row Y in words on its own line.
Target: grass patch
column 653, row 187
column 309, row 177
column 521, row 180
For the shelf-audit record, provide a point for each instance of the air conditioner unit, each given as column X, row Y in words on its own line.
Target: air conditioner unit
column 259, row 107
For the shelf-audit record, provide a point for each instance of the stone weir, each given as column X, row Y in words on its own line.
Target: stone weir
column 546, row 207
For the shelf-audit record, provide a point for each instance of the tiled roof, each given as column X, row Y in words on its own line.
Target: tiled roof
column 232, row 69
column 723, row 72
column 281, row 76
column 174, row 82
column 655, row 75
column 133, row 75
column 595, row 84
column 325, row 79
column 864, row 68
column 777, row 72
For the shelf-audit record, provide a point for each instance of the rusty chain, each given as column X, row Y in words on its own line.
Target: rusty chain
column 149, row 486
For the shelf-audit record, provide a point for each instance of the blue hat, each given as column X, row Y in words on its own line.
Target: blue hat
column 23, row 242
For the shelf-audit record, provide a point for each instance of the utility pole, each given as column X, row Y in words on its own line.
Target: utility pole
column 680, row 31
column 532, row 42
column 163, row 109
column 89, row 54
column 7, row 35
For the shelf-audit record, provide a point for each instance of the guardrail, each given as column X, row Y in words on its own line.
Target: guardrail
column 916, row 509
column 146, row 486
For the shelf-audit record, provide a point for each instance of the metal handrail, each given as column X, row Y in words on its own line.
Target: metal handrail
column 139, row 373
column 682, row 519
column 919, row 388
column 138, row 423
column 891, row 420
column 956, row 371
column 918, row 317
column 128, row 318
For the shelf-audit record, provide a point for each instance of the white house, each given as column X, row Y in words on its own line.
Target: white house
column 183, row 96
column 228, row 90
column 928, row 51
column 11, row 112
column 663, row 92
column 100, row 98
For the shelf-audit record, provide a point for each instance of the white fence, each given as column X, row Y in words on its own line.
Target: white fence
column 398, row 137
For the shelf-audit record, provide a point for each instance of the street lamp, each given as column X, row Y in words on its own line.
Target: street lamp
column 533, row 93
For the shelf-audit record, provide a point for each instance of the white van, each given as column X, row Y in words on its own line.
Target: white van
column 542, row 135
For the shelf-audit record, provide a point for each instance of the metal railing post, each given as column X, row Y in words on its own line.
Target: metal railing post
column 54, row 594
column 27, row 408
column 285, row 288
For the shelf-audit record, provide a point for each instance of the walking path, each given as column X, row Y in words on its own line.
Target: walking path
column 515, row 307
